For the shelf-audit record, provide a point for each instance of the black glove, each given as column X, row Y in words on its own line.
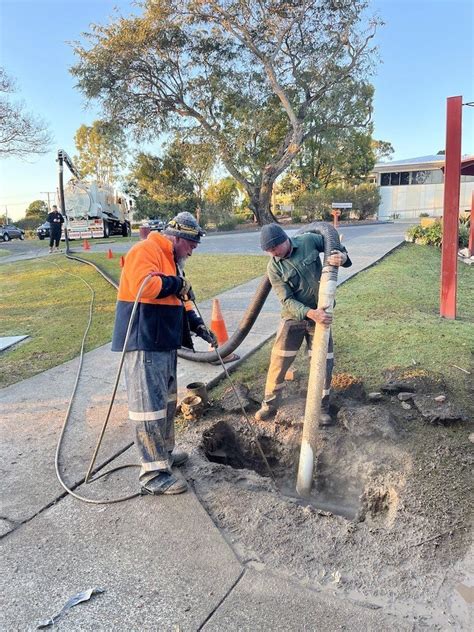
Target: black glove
column 207, row 335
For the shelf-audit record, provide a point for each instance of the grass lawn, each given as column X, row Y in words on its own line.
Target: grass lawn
column 388, row 316
column 51, row 307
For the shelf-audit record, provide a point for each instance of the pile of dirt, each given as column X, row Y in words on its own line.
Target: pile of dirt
column 388, row 519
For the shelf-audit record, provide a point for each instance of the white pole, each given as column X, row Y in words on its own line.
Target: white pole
column 317, row 375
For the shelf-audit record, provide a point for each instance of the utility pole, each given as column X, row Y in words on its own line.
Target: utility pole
column 6, row 214
column 48, row 193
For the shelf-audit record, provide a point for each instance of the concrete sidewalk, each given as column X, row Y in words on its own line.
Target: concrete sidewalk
column 162, row 561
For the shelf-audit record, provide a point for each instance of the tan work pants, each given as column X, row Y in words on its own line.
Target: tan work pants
column 289, row 338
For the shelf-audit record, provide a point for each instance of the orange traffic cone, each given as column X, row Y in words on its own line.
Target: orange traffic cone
column 86, row 245
column 122, row 261
column 110, row 254
column 219, row 329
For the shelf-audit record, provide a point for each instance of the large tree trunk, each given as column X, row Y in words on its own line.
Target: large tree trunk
column 260, row 203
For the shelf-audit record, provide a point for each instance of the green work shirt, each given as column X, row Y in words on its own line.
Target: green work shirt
column 295, row 279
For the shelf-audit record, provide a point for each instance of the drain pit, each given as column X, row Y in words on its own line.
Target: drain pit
column 234, row 447
column 226, row 446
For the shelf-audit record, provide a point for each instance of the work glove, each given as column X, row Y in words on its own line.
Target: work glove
column 186, row 292
column 207, row 335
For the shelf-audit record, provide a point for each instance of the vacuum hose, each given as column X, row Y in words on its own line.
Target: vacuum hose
column 331, row 242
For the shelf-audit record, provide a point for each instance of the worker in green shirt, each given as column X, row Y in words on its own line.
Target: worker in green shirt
column 294, row 271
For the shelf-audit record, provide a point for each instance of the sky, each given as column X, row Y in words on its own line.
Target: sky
column 425, row 48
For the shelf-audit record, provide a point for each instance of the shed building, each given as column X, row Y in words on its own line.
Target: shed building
column 414, row 186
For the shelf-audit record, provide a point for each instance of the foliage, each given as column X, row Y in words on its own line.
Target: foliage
column 254, row 79
column 37, row 210
column 21, row 133
column 161, row 185
column 102, row 150
column 221, row 199
column 316, row 205
column 424, row 215
column 433, row 235
column 382, row 149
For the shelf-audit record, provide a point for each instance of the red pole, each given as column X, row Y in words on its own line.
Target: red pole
column 452, row 178
column 471, row 230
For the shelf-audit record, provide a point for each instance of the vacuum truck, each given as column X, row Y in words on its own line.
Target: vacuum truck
column 95, row 210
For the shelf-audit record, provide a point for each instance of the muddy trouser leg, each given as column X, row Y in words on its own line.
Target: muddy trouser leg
column 329, row 364
column 150, row 377
column 288, row 340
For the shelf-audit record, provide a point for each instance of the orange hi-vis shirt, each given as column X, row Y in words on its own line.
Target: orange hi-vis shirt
column 160, row 324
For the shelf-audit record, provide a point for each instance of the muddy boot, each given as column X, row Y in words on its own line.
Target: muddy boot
column 325, row 418
column 178, row 458
column 164, row 483
column 267, row 411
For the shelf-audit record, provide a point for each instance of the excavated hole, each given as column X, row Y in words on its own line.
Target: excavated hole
column 343, row 482
column 223, row 445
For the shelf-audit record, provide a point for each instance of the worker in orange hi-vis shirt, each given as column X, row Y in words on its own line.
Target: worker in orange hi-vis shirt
column 162, row 324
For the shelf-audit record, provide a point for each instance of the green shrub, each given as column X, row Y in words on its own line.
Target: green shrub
column 433, row 235
column 463, row 235
column 296, row 218
column 316, row 205
column 424, row 215
column 228, row 224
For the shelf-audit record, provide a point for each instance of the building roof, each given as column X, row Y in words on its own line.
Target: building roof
column 434, row 162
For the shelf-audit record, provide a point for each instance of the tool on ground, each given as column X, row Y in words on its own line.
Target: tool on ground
column 244, row 412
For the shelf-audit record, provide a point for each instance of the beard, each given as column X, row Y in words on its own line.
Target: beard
column 181, row 263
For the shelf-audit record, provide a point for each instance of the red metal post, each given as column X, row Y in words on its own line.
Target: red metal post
column 452, row 179
column 471, row 230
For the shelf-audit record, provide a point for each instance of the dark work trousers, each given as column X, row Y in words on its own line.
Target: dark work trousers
column 289, row 338
column 54, row 237
column 150, row 377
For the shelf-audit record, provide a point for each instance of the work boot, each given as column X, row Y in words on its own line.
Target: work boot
column 178, row 457
column 325, row 418
column 164, row 484
column 266, row 412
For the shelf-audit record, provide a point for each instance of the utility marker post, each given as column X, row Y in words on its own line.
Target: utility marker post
column 452, row 179
column 317, row 375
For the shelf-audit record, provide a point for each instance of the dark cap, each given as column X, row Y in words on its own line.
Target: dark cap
column 272, row 235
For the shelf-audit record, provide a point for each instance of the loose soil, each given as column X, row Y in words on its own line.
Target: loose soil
column 388, row 521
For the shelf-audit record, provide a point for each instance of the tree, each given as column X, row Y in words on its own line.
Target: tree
column 102, row 151
column 248, row 76
column 164, row 180
column 382, row 149
column 21, row 133
column 221, row 199
column 199, row 159
column 37, row 210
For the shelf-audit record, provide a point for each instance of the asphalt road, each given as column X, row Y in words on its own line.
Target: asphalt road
column 223, row 243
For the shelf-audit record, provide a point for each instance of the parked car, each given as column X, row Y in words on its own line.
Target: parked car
column 43, row 230
column 155, row 224
column 8, row 231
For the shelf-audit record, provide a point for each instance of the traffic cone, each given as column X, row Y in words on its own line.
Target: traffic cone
column 110, row 254
column 86, row 245
column 220, row 330
column 122, row 261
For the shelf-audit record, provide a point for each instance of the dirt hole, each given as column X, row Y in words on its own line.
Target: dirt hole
column 342, row 484
column 222, row 444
